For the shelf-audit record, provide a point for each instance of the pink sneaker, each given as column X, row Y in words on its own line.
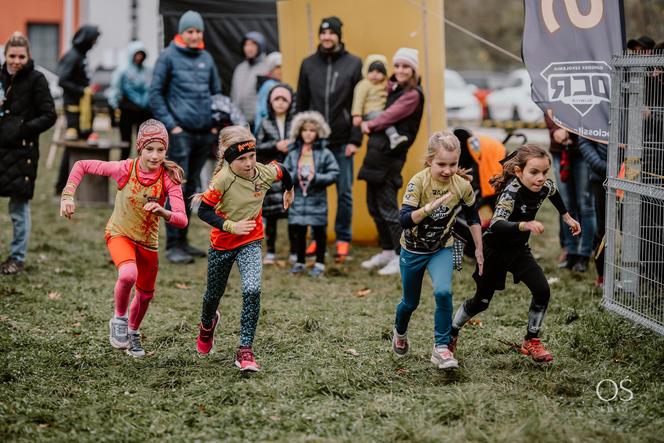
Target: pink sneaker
column 205, row 339
column 245, row 360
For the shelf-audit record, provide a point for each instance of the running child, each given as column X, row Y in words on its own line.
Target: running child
column 132, row 232
column 313, row 168
column 522, row 187
column 232, row 206
column 427, row 215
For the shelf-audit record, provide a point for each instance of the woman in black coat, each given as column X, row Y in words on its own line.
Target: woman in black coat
column 26, row 111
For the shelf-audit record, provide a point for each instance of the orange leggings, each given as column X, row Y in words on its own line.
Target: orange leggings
column 123, row 250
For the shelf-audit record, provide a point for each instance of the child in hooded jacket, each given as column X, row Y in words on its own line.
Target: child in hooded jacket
column 313, row 168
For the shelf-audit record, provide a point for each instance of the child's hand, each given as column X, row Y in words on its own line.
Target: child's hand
column 365, row 128
column 479, row 256
column 357, row 120
column 437, row 203
column 289, row 196
column 282, row 146
column 156, row 208
column 67, row 208
column 534, row 226
column 574, row 226
column 244, row 227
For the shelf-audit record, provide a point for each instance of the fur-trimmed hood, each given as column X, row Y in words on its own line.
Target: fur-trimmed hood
column 315, row 117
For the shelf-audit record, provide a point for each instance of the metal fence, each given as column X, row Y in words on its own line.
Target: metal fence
column 634, row 256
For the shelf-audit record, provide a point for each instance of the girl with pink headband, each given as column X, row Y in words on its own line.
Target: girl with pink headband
column 132, row 232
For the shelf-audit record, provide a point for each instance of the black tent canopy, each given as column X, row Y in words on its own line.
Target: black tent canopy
column 226, row 22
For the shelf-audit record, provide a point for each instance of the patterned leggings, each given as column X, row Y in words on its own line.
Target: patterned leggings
column 248, row 258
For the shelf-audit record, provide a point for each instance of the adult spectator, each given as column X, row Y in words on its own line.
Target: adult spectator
column 383, row 164
column 326, row 83
column 26, row 111
column 184, row 81
column 572, row 178
column 77, row 94
column 243, row 84
column 129, row 93
column 641, row 45
column 264, row 84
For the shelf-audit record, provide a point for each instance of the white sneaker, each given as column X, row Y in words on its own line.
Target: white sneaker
column 443, row 358
column 379, row 260
column 392, row 267
column 292, row 258
column 269, row 259
column 119, row 335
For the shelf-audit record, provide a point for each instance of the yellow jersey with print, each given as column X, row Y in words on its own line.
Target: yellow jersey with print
column 237, row 198
column 435, row 231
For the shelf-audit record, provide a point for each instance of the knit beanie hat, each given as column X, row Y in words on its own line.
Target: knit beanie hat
column 408, row 56
column 333, row 24
column 190, row 19
column 378, row 66
column 272, row 61
column 151, row 131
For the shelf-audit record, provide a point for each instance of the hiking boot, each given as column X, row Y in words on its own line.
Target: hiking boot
column 536, row 350
column 400, row 343
column 11, row 267
column 178, row 256
column 379, row 260
column 269, row 259
column 391, row 268
column 205, row 339
column 443, row 358
column 317, row 271
column 193, row 251
column 297, row 268
column 119, row 336
column 453, row 343
column 135, row 349
column 396, row 139
column 311, row 249
column 245, row 360
column 343, row 248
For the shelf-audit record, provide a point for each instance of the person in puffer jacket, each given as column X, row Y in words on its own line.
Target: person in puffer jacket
column 185, row 79
column 129, row 92
column 243, row 84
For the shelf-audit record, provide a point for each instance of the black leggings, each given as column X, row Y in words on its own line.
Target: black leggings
column 271, row 235
column 300, row 240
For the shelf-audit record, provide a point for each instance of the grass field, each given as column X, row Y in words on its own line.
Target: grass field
column 328, row 372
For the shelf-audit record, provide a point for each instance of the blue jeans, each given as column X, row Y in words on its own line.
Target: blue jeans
column 439, row 265
column 190, row 151
column 578, row 199
column 19, row 212
column 344, row 219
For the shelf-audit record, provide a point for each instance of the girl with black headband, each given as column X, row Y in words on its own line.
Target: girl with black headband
column 522, row 188
column 232, row 206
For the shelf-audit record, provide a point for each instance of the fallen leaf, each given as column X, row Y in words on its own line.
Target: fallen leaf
column 201, row 408
column 475, row 322
column 275, row 418
column 402, row 371
column 77, row 324
column 280, row 263
column 54, row 295
column 363, row 292
column 43, row 257
column 150, row 353
column 552, row 280
column 43, row 425
column 4, row 317
column 352, row 352
column 78, row 356
column 181, row 286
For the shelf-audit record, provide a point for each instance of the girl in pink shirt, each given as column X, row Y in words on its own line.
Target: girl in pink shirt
column 132, row 232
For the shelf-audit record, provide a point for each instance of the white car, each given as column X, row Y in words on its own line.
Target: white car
column 513, row 101
column 460, row 102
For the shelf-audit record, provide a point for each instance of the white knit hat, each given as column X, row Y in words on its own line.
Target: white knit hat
column 273, row 60
column 409, row 56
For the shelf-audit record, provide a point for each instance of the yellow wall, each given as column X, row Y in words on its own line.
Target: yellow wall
column 372, row 26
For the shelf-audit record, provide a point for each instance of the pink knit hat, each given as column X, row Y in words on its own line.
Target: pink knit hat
column 409, row 56
column 151, row 131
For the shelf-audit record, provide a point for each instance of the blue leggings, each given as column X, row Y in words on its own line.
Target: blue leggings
column 439, row 265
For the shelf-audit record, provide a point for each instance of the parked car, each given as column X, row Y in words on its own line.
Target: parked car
column 486, row 82
column 460, row 102
column 513, row 101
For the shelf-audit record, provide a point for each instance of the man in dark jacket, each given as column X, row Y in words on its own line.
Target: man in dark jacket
column 74, row 78
column 184, row 80
column 326, row 83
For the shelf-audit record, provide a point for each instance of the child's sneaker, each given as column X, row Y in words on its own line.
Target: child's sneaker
column 396, row 139
column 119, row 336
column 135, row 349
column 245, row 360
column 391, row 268
column 379, row 260
column 297, row 268
column 536, row 350
column 443, row 358
column 317, row 271
column 292, row 258
column 269, row 259
column 343, row 249
column 93, row 139
column 205, row 339
column 400, row 343
column 71, row 134
column 311, row 249
column 453, row 343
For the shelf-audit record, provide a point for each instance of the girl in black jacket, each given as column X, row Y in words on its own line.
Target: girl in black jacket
column 27, row 110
